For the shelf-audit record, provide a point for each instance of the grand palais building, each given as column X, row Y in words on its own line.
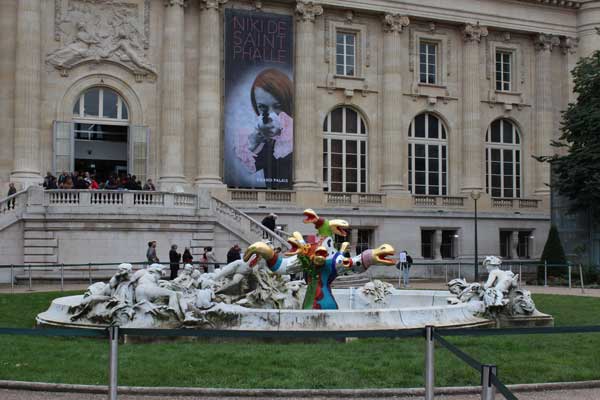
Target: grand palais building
column 393, row 114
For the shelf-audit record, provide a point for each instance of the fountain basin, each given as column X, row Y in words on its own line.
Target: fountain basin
column 406, row 309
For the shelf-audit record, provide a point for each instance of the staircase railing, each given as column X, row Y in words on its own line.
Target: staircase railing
column 248, row 227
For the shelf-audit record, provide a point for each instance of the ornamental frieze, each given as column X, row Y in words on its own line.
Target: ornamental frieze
column 102, row 31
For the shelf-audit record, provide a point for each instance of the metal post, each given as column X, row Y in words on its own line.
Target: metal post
column 429, row 363
column 62, row 277
column 458, row 270
column 113, row 362
column 488, row 390
column 476, row 250
column 570, row 276
column 90, row 272
column 30, row 277
column 520, row 274
column 12, row 277
column 545, row 273
column 446, row 266
column 581, row 278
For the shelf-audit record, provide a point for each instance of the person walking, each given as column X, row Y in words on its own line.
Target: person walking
column 208, row 260
column 404, row 264
column 11, row 190
column 234, row 254
column 151, row 253
column 187, row 257
column 269, row 222
column 174, row 259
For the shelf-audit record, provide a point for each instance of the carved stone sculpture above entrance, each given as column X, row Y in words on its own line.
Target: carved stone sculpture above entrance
column 103, row 30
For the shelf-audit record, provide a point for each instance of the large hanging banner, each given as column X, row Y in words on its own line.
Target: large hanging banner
column 259, row 100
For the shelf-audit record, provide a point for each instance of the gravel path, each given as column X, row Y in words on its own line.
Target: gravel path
column 579, row 394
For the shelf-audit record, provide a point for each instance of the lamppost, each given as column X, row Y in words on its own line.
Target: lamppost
column 475, row 195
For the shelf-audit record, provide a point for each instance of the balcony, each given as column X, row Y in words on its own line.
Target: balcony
column 438, row 201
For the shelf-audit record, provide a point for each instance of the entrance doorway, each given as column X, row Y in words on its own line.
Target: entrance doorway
column 100, row 139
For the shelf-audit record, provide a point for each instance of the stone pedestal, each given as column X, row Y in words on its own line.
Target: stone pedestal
column 172, row 97
column 473, row 138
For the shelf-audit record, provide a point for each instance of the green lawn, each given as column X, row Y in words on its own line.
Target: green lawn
column 328, row 364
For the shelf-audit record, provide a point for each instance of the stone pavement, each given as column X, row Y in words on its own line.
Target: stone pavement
column 579, row 394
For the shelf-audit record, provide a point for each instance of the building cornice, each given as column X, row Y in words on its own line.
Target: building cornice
column 555, row 3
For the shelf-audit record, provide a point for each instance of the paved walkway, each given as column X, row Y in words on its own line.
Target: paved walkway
column 580, row 394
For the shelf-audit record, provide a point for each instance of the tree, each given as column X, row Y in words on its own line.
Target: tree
column 576, row 172
column 553, row 251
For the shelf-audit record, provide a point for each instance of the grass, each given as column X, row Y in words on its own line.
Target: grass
column 365, row 363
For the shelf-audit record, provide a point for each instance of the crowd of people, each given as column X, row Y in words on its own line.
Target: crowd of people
column 85, row 180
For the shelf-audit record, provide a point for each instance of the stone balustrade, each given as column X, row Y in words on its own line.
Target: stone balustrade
column 513, row 203
column 351, row 199
column 262, row 196
column 438, row 201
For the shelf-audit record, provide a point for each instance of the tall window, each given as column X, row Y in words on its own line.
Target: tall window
column 428, row 62
column 344, row 151
column 427, row 156
column 345, row 53
column 503, row 159
column 503, row 70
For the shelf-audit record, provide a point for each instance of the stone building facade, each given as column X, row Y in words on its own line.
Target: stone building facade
column 434, row 101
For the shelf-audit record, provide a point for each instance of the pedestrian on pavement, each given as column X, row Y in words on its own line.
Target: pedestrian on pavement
column 404, row 263
column 187, row 257
column 234, row 253
column 269, row 222
column 151, row 253
column 208, row 260
column 174, row 259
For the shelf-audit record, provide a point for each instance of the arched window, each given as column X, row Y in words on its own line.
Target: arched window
column 100, row 103
column 503, row 159
column 427, row 156
column 344, row 151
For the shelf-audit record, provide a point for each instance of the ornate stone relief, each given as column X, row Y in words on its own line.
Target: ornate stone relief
column 308, row 11
column 102, row 30
column 395, row 23
column 569, row 45
column 474, row 33
column 212, row 4
column 544, row 42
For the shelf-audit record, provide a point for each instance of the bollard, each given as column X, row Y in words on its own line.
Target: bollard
column 569, row 276
column 62, row 277
column 30, row 289
column 459, row 269
column 545, row 273
column 113, row 362
column 90, row 272
column 446, row 266
column 581, row 278
column 488, row 390
column 520, row 274
column 429, row 363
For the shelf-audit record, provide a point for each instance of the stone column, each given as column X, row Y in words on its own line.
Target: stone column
column 588, row 27
column 209, row 97
column 472, row 134
column 306, row 124
column 172, row 97
column 437, row 244
column 514, row 245
column 26, row 166
column 394, row 167
column 544, row 126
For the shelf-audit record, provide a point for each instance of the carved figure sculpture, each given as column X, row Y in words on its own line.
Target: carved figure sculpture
column 320, row 261
column 80, row 48
column 499, row 294
column 148, row 289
